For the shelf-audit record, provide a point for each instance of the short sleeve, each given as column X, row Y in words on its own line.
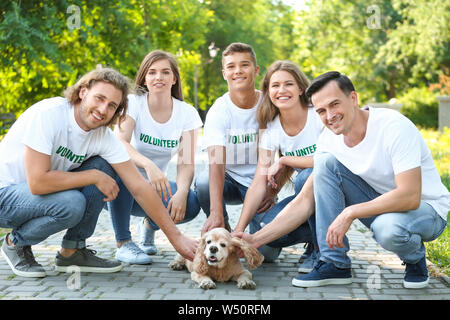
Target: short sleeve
column 113, row 151
column 133, row 106
column 403, row 143
column 215, row 129
column 39, row 135
column 269, row 140
column 191, row 116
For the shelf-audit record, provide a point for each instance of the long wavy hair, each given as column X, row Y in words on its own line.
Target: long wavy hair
column 140, row 88
column 267, row 111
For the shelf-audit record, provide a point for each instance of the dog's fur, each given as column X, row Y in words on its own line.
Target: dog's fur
column 217, row 259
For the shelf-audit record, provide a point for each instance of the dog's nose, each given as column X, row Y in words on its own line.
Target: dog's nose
column 213, row 249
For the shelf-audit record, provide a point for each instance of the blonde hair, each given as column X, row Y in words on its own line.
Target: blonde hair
column 107, row 75
column 140, row 88
column 267, row 111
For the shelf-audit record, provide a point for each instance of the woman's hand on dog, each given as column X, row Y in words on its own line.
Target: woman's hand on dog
column 244, row 236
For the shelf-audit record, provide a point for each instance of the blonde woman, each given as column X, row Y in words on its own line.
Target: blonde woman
column 158, row 125
column 290, row 129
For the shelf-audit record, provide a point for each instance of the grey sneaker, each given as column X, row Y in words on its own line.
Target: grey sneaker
column 86, row 260
column 21, row 261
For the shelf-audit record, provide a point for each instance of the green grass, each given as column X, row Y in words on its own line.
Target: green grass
column 438, row 251
column 439, row 144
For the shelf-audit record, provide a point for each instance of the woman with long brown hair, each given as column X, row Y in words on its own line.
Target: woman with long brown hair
column 289, row 130
column 158, row 125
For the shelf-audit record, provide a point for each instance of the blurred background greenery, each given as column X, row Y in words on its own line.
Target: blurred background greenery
column 396, row 50
column 390, row 49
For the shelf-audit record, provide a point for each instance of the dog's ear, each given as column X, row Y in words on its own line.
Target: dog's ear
column 200, row 265
column 252, row 256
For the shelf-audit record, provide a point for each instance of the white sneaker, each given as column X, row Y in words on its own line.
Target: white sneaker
column 130, row 253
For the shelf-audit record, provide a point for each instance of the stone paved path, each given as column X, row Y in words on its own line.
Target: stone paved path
column 377, row 273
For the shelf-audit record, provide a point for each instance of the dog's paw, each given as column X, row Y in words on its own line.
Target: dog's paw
column 177, row 265
column 207, row 284
column 246, row 284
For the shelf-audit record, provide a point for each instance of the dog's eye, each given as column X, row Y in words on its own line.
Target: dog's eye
column 223, row 245
column 208, row 242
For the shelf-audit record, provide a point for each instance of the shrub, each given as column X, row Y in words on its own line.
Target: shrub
column 421, row 107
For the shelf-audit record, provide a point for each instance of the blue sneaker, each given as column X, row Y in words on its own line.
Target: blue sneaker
column 309, row 248
column 129, row 252
column 324, row 273
column 416, row 275
column 309, row 263
column 147, row 238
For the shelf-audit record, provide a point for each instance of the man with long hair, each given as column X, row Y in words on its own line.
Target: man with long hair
column 58, row 167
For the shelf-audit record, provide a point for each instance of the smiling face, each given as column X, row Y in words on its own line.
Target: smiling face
column 160, row 77
column 336, row 109
column 284, row 91
column 97, row 106
column 239, row 71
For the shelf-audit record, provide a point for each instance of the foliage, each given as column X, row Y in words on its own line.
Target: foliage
column 439, row 144
column 420, row 106
column 386, row 47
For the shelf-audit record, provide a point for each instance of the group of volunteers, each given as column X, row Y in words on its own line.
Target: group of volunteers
column 61, row 165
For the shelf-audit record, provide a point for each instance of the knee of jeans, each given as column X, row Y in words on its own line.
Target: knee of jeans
column 301, row 179
column 270, row 254
column 71, row 208
column 324, row 163
column 102, row 165
column 201, row 187
column 389, row 236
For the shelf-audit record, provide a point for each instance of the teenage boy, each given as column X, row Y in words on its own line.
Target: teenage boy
column 231, row 139
column 58, row 165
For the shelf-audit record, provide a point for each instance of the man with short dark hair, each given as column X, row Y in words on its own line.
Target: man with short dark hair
column 58, row 165
column 371, row 164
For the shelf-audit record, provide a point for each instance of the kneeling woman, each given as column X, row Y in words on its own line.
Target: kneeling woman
column 158, row 125
column 291, row 129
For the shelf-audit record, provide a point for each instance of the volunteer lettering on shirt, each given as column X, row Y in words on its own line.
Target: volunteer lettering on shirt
column 160, row 141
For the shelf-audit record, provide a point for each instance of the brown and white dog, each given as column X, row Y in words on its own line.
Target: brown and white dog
column 217, row 259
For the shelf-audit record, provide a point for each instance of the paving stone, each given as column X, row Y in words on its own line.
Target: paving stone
column 157, row 282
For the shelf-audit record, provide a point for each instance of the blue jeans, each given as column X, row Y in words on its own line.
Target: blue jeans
column 234, row 193
column 33, row 218
column 336, row 187
column 124, row 206
column 303, row 233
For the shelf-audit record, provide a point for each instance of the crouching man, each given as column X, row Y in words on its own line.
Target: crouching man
column 58, row 165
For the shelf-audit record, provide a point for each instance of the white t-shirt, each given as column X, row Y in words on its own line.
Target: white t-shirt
column 237, row 130
column 160, row 141
column 49, row 127
column 303, row 144
column 392, row 145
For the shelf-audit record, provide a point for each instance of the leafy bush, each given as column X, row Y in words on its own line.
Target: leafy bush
column 421, row 107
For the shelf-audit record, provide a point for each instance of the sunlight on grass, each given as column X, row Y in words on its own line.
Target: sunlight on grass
column 439, row 144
